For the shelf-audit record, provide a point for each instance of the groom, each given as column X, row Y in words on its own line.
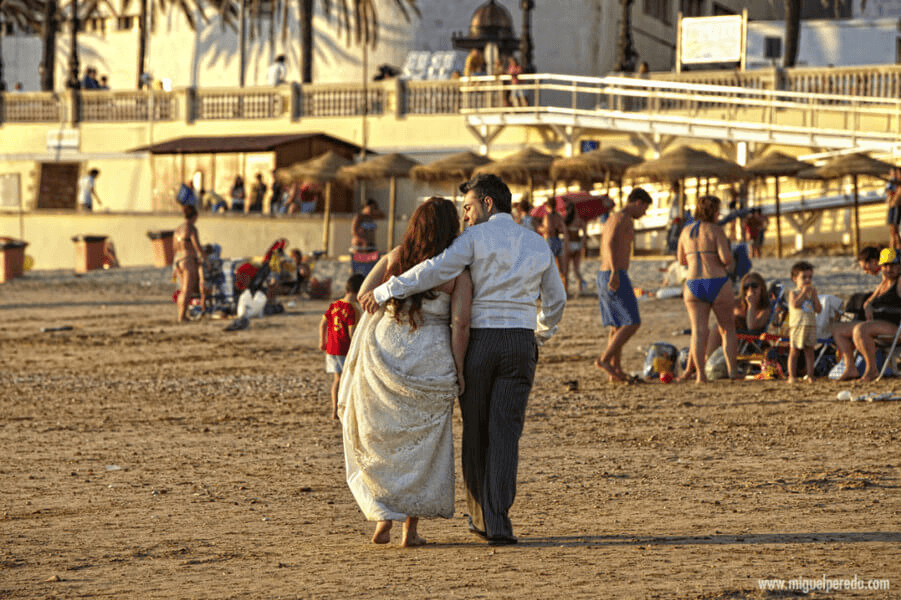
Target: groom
column 512, row 267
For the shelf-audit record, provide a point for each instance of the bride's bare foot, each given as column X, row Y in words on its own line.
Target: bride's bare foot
column 411, row 536
column 411, row 541
column 382, row 533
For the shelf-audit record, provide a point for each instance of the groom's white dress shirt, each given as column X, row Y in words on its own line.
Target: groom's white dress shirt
column 511, row 267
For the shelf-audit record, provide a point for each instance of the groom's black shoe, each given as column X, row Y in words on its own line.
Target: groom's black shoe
column 502, row 540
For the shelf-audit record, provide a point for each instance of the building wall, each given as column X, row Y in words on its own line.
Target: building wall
column 839, row 43
column 570, row 37
column 49, row 234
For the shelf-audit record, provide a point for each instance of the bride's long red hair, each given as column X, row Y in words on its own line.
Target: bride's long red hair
column 432, row 228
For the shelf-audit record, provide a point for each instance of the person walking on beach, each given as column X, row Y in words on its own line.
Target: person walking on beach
column 619, row 307
column 554, row 231
column 511, row 269
column 87, row 191
column 335, row 331
column 402, row 374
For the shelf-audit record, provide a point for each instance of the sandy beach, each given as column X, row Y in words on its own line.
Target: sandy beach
column 143, row 459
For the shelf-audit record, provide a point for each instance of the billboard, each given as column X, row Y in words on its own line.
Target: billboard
column 711, row 39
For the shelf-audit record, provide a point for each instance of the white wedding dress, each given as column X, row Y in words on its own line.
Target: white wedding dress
column 396, row 403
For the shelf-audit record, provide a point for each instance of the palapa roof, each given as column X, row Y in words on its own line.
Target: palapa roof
column 457, row 167
column 858, row 163
column 685, row 162
column 522, row 167
column 322, row 169
column 384, row 166
column 595, row 165
column 776, row 164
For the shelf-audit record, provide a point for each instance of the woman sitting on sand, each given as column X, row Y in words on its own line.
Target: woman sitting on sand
column 704, row 249
column 189, row 254
column 883, row 311
column 401, row 376
column 752, row 310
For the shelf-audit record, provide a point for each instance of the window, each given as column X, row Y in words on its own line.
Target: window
column 125, row 23
column 658, row 9
column 692, row 8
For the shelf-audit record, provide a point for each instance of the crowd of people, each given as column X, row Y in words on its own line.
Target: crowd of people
column 451, row 314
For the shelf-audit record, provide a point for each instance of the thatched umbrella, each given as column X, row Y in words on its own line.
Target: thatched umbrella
column 525, row 167
column 777, row 164
column 609, row 162
column 451, row 169
column 855, row 164
column 598, row 165
column 683, row 162
column 384, row 166
column 322, row 169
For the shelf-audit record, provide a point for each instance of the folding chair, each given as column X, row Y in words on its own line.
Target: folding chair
column 891, row 351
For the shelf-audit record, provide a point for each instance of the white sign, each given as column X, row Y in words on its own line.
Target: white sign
column 9, row 190
column 711, row 39
column 63, row 139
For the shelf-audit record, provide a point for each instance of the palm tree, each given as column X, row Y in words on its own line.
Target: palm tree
column 149, row 9
column 51, row 14
column 793, row 27
column 358, row 22
column 626, row 53
column 26, row 15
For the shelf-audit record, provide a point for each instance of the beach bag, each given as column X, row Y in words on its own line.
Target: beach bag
column 716, row 368
column 861, row 364
column 660, row 358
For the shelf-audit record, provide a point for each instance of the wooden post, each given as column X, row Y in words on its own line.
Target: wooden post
column 327, row 217
column 778, row 221
column 856, row 219
column 392, row 212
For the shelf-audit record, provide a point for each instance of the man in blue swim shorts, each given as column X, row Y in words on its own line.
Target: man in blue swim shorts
column 619, row 307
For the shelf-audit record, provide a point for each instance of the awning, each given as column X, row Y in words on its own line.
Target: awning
column 211, row 144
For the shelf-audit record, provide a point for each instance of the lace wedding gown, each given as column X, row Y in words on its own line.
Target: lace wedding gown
column 396, row 401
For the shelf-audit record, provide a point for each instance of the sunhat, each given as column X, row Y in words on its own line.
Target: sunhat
column 889, row 256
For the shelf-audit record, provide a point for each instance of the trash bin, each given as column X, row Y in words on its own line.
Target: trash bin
column 89, row 251
column 163, row 251
column 12, row 258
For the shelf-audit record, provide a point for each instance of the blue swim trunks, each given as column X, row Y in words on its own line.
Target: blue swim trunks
column 556, row 245
column 619, row 308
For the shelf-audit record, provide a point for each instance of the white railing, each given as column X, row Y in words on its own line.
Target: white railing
column 699, row 110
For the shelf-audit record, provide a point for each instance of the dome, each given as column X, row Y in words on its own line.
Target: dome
column 491, row 20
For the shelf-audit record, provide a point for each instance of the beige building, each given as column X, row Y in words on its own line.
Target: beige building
column 576, row 37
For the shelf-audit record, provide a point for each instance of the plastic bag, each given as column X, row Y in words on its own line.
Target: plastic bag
column 661, row 358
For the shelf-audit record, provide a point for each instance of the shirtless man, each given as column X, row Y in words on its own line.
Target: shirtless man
column 893, row 198
column 619, row 307
column 364, row 226
column 554, row 231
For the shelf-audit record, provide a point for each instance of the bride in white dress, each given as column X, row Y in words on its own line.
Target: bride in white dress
column 401, row 375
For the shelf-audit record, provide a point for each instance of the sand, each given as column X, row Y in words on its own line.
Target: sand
column 142, row 459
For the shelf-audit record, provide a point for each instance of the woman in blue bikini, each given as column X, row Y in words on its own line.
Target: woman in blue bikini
column 704, row 249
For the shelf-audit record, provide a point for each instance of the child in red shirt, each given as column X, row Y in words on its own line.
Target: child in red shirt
column 335, row 331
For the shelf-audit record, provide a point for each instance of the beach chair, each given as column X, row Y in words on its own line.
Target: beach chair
column 890, row 356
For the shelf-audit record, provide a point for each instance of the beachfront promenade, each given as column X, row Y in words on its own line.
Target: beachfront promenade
column 822, row 110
